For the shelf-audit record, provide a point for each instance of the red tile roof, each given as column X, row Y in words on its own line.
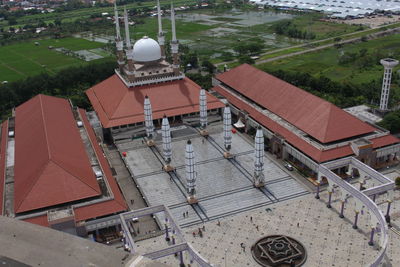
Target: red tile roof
column 291, row 138
column 296, row 141
column 39, row 220
column 115, row 205
column 117, row 104
column 3, row 156
column 313, row 115
column 384, row 141
column 51, row 163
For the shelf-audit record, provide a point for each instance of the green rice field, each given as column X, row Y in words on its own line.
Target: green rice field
column 25, row 59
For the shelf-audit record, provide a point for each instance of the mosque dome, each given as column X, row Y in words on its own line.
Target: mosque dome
column 146, row 49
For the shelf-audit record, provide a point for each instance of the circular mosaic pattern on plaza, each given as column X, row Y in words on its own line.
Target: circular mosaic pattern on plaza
column 279, row 250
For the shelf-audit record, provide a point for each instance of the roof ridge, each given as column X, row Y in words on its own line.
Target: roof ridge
column 30, row 190
column 73, row 175
column 44, row 126
column 122, row 98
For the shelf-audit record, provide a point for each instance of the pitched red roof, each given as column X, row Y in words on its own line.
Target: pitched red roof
column 51, row 163
column 115, row 205
column 384, row 141
column 3, row 156
column 117, row 104
column 313, row 115
column 291, row 138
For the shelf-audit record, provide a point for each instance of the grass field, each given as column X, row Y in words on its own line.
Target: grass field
column 25, row 59
column 326, row 62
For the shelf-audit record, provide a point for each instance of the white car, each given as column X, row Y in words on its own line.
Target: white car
column 288, row 166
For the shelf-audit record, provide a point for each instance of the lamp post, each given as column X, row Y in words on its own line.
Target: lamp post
column 226, row 250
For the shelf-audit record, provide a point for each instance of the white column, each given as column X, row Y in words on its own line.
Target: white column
column 190, row 172
column 161, row 37
column 388, row 65
column 148, row 118
column 259, row 158
column 127, row 36
column 203, row 109
column 166, row 142
column 227, row 128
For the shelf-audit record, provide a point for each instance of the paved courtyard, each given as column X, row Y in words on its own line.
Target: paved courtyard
column 224, row 187
column 329, row 240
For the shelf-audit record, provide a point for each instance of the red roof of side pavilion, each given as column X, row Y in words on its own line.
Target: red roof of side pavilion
column 99, row 209
column 51, row 163
column 296, row 141
column 116, row 104
column 311, row 114
column 3, row 155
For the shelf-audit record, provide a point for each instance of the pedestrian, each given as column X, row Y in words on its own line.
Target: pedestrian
column 218, row 223
column 251, row 218
column 257, row 227
column 298, row 224
column 187, row 213
column 202, row 140
column 204, row 227
column 132, row 201
column 194, row 234
column 183, row 215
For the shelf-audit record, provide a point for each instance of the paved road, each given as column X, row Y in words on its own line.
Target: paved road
column 311, row 43
column 369, row 36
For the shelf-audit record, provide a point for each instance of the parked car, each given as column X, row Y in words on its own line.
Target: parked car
column 288, row 166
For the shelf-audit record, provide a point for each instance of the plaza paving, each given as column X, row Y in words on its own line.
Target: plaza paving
column 224, row 187
column 329, row 240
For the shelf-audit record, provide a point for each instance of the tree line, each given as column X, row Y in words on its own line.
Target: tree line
column 69, row 83
column 288, row 28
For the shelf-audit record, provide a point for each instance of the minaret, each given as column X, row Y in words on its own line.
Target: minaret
column 203, row 112
column 161, row 37
column 118, row 41
column 259, row 158
column 174, row 44
column 130, row 69
column 227, row 131
column 388, row 64
column 166, row 143
column 148, row 120
column 190, row 173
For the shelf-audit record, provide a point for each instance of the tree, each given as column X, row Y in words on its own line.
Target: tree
column 246, row 59
column 57, row 21
column 209, row 67
column 12, row 21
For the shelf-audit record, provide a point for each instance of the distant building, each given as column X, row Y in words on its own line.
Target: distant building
column 301, row 127
column 53, row 172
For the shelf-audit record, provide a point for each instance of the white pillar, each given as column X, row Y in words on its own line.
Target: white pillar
column 161, row 37
column 166, row 143
column 174, row 43
column 190, row 173
column 148, row 120
column 203, row 110
column 259, row 158
column 227, row 131
column 388, row 65
column 119, row 43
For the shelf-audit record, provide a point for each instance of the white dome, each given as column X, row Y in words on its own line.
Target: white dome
column 146, row 49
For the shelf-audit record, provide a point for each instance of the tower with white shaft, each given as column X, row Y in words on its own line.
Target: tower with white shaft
column 388, row 64
column 148, row 121
column 190, row 173
column 259, row 158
